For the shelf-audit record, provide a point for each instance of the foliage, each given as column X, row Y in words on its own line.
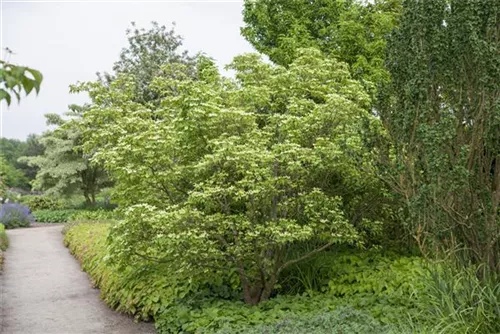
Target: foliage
column 4, row 244
column 443, row 119
column 352, row 31
column 32, row 147
column 15, row 215
column 179, row 304
column 16, row 79
column 141, row 291
column 20, row 174
column 95, row 215
column 349, row 272
column 11, row 176
column 11, row 149
column 147, row 52
column 41, row 202
column 63, row 167
column 339, row 321
column 457, row 301
column 238, row 170
column 53, row 216
column 214, row 315
column 4, row 240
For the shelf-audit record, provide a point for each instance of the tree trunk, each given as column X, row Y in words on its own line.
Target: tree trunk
column 258, row 292
column 88, row 200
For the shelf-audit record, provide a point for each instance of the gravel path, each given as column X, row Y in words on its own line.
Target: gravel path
column 43, row 290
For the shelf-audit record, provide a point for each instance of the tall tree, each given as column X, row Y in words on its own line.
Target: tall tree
column 352, row 31
column 147, row 52
column 444, row 119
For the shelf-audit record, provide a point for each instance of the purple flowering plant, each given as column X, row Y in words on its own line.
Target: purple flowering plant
column 15, row 215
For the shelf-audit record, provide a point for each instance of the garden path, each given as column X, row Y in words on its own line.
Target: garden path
column 43, row 290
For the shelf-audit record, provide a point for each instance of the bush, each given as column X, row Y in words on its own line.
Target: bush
column 40, row 202
column 15, row 215
column 53, row 216
column 207, row 304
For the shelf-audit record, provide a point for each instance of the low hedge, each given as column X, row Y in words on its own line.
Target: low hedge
column 66, row 215
column 41, row 202
column 4, row 243
column 53, row 216
column 184, row 305
column 140, row 291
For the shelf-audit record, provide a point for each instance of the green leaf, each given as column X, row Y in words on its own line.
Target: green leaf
column 28, row 84
column 5, row 95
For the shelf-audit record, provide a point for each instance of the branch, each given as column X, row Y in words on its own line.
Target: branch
column 308, row 255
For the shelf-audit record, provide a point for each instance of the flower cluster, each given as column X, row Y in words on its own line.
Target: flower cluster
column 15, row 215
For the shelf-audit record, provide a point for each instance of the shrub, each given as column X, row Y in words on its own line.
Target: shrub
column 53, row 216
column 40, row 202
column 208, row 303
column 15, row 215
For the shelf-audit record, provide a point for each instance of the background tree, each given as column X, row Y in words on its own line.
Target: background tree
column 147, row 52
column 11, row 176
column 352, row 31
column 444, row 120
column 32, row 148
column 11, row 150
column 63, row 167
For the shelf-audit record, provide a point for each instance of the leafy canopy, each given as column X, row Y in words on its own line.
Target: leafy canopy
column 352, row 31
column 226, row 174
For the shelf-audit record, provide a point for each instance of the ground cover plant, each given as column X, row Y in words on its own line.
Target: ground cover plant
column 209, row 305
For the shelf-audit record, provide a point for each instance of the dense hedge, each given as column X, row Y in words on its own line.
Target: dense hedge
column 380, row 286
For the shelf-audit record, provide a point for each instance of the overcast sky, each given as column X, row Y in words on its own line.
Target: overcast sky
column 70, row 42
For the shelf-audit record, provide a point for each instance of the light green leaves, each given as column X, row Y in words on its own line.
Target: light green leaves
column 227, row 174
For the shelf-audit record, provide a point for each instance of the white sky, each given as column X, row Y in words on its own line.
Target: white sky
column 70, row 42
